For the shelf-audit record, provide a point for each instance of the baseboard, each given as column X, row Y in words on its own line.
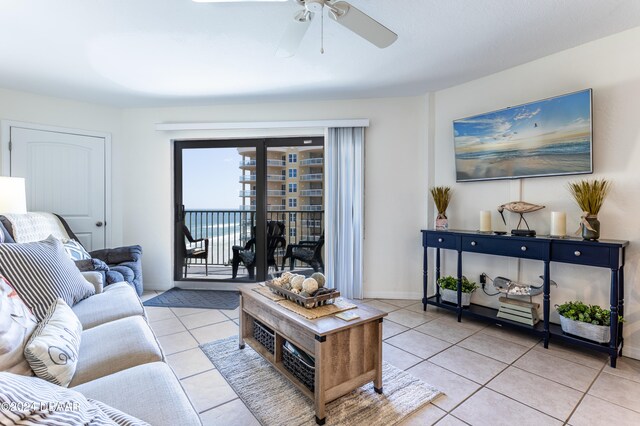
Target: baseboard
column 631, row 352
column 417, row 296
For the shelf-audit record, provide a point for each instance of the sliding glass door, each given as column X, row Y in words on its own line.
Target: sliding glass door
column 241, row 204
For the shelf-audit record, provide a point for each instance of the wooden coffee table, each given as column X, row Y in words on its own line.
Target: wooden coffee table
column 348, row 354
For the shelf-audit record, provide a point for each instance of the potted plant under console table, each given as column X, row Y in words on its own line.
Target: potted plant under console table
column 603, row 254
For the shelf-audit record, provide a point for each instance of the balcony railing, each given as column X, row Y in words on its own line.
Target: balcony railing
column 311, row 223
column 252, row 178
column 270, row 193
column 311, row 192
column 226, row 228
column 312, row 162
column 313, row 208
column 313, row 177
column 270, row 162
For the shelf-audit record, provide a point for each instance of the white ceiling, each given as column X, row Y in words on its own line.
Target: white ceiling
column 176, row 52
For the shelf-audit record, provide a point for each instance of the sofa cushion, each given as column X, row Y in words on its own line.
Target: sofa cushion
column 115, row 346
column 52, row 349
column 116, row 301
column 157, row 396
column 31, row 401
column 16, row 325
column 34, row 226
column 41, row 272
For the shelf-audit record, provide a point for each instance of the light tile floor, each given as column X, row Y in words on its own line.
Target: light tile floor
column 490, row 375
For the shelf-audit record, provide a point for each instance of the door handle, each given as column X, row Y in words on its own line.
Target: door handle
column 99, row 224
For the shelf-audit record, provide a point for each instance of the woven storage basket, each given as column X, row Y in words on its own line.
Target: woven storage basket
column 264, row 335
column 596, row 333
column 300, row 369
column 451, row 296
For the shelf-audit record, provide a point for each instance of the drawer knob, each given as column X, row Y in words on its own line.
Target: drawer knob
column 523, row 248
column 577, row 253
column 440, row 240
column 473, row 243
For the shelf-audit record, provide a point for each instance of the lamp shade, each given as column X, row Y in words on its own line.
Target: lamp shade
column 13, row 198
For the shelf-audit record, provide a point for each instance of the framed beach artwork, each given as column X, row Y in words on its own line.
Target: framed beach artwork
column 543, row 138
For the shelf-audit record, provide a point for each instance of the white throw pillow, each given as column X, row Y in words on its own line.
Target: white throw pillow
column 52, row 350
column 16, row 325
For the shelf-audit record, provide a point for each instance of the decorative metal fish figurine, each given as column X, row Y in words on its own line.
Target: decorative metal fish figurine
column 520, row 207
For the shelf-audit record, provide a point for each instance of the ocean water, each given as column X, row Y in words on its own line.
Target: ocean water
column 566, row 148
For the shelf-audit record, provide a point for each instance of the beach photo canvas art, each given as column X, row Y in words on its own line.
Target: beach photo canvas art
column 542, row 138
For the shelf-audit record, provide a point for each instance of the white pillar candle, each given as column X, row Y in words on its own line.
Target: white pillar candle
column 485, row 221
column 558, row 224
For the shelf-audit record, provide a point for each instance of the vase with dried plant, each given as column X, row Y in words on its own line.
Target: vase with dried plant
column 441, row 197
column 589, row 195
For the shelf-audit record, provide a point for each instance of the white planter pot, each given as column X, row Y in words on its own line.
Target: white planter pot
column 451, row 296
column 596, row 333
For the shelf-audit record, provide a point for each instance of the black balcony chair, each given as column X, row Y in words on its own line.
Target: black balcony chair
column 307, row 251
column 199, row 251
column 247, row 255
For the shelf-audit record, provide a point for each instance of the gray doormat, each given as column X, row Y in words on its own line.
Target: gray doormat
column 208, row 299
column 273, row 400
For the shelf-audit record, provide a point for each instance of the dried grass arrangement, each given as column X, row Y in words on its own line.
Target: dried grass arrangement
column 441, row 197
column 590, row 194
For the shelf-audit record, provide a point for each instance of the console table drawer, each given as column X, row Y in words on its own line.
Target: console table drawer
column 441, row 241
column 505, row 247
column 581, row 254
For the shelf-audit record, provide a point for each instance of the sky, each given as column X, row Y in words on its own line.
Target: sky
column 559, row 119
column 210, row 178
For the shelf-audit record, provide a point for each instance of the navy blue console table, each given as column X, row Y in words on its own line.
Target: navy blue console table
column 604, row 254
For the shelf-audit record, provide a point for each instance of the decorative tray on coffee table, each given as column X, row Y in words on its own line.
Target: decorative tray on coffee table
column 322, row 297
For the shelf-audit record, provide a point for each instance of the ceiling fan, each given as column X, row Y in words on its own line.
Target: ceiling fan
column 340, row 11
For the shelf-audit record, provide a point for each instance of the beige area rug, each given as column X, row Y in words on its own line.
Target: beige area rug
column 273, row 400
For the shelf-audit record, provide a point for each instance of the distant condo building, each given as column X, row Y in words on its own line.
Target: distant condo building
column 295, row 192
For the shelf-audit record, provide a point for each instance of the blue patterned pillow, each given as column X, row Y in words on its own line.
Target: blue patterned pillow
column 75, row 250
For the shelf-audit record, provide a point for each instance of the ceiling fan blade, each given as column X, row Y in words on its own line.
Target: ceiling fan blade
column 234, row 1
column 294, row 34
column 361, row 24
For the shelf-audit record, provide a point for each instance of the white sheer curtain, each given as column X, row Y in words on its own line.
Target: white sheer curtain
column 344, row 168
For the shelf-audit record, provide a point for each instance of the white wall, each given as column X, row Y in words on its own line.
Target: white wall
column 31, row 108
column 395, row 181
column 611, row 66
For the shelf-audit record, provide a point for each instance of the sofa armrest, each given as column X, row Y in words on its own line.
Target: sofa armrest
column 94, row 278
column 118, row 255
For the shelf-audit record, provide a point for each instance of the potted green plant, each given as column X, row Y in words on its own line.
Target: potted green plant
column 590, row 194
column 441, row 197
column 587, row 321
column 449, row 289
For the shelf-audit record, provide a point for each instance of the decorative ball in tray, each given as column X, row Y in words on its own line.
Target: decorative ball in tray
column 308, row 292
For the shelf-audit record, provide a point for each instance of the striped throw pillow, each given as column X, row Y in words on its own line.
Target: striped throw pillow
column 41, row 272
column 32, row 401
column 52, row 349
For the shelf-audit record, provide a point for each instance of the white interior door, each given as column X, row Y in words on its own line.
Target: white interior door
column 64, row 174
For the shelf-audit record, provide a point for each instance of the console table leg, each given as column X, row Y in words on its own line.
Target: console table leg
column 620, row 306
column 425, row 278
column 614, row 300
column 459, row 285
column 546, row 301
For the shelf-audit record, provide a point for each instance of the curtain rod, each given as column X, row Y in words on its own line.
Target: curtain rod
column 359, row 122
